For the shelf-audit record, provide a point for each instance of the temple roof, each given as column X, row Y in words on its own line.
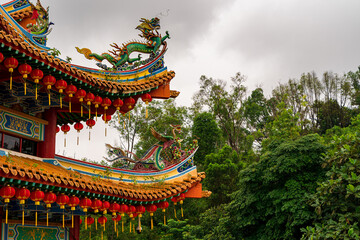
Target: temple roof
column 26, row 168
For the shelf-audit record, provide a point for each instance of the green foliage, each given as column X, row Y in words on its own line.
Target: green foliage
column 207, row 132
column 221, row 174
column 337, row 198
column 270, row 202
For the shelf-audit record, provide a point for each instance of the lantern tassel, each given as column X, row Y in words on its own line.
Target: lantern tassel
column 78, row 139
column 24, row 86
column 133, row 228
column 146, row 112
column 65, row 141
column 164, row 217
column 117, row 233
column 104, row 225
column 60, row 101
column 175, row 212
column 89, row 111
column 6, row 217
column 47, row 218
column 35, row 218
column 81, row 111
column 63, row 218
column 139, row 223
column 105, row 129
column 95, row 223
column 89, row 134
column 69, row 104
column 23, row 217
column 102, row 235
column 130, row 225
column 115, row 225
column 96, row 113
column 182, row 212
column 90, row 235
column 152, row 223
column 122, row 225
column 35, row 91
column 72, row 220
column 118, row 116
column 11, row 71
column 49, row 99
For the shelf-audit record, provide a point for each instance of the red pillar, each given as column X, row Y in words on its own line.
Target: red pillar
column 75, row 232
column 46, row 149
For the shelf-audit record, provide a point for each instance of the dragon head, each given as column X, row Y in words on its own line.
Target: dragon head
column 149, row 25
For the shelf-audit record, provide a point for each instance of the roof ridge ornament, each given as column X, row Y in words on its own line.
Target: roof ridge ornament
column 119, row 56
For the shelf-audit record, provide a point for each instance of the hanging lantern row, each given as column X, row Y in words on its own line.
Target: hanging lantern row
column 117, row 211
column 64, row 88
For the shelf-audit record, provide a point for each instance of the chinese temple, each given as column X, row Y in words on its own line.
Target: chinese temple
column 48, row 196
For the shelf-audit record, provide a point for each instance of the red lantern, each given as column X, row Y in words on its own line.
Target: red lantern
column 174, row 200
column 102, row 220
column 164, row 205
column 89, row 220
column 118, row 103
column 70, row 91
column 114, row 208
column 78, row 126
column 48, row 82
column 25, row 70
column 85, row 203
column 181, row 199
column 97, row 102
column 140, row 209
column 49, row 199
column 146, row 98
column 36, row 75
column 23, row 194
column 90, row 123
column 106, row 102
column 105, row 206
column 123, row 209
column 61, row 85
column 1, row 57
column 37, row 196
column 89, row 98
column 96, row 205
column 151, row 209
column 131, row 211
column 65, row 128
column 11, row 63
column 62, row 200
column 57, row 129
column 73, row 202
column 129, row 102
column 80, row 94
column 116, row 219
column 7, row 193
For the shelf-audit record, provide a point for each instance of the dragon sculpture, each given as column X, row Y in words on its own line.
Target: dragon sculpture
column 41, row 16
column 121, row 55
column 168, row 148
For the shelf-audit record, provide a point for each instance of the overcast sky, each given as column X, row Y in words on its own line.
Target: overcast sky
column 268, row 41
